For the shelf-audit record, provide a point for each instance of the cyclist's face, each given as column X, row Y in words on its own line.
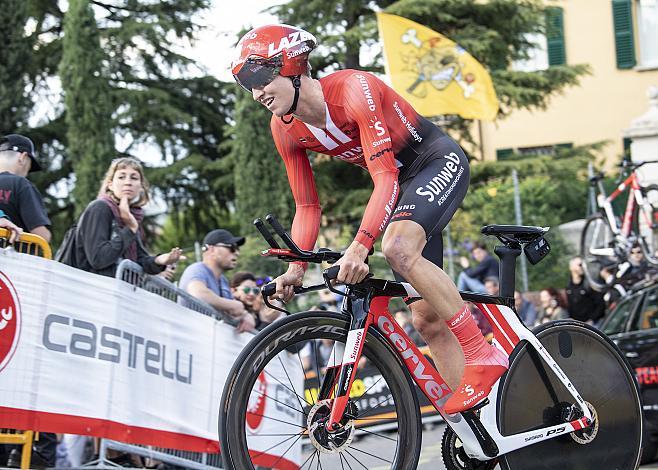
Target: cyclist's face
column 276, row 96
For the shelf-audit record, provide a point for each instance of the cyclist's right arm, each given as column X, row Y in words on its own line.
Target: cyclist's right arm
column 306, row 223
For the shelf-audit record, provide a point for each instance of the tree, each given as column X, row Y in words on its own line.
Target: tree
column 88, row 102
column 159, row 97
column 15, row 58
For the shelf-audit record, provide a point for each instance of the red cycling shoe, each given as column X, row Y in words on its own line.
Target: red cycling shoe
column 477, row 382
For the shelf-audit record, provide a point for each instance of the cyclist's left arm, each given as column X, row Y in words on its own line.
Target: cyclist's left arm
column 363, row 104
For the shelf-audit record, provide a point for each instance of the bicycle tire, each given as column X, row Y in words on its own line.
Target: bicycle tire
column 649, row 237
column 596, row 234
column 602, row 377
column 284, row 335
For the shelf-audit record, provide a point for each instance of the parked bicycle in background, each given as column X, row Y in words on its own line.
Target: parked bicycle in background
column 607, row 238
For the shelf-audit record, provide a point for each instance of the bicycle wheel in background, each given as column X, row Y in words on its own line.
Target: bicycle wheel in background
column 597, row 250
column 646, row 224
column 266, row 413
column 531, row 396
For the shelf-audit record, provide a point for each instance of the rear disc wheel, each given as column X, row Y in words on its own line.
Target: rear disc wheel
column 531, row 397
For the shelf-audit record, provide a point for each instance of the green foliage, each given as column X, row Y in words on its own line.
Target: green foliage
column 158, row 96
column 15, row 57
column 341, row 26
column 553, row 190
column 88, row 102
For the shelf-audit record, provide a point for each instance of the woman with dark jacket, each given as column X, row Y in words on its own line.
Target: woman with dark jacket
column 110, row 228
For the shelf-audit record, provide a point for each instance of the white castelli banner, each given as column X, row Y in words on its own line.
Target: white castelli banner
column 92, row 355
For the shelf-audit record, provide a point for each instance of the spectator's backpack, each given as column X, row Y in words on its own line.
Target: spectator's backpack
column 66, row 251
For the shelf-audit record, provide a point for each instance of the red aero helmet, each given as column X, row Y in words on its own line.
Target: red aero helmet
column 271, row 50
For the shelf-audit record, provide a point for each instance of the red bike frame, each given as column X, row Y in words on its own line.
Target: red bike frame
column 428, row 379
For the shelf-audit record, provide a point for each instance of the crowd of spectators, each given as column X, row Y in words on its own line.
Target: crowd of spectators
column 109, row 230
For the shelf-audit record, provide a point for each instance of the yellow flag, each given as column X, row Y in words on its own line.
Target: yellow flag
column 433, row 73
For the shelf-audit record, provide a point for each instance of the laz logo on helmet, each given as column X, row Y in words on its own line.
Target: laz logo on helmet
column 293, row 39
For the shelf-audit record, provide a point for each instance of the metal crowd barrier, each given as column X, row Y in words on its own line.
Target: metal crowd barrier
column 32, row 245
column 132, row 273
column 28, row 243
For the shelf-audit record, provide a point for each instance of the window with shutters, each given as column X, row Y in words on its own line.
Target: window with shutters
column 547, row 49
column 647, row 34
column 522, row 152
column 537, row 55
column 504, row 154
column 622, row 18
column 557, row 54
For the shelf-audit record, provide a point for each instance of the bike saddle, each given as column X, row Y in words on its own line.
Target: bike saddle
column 518, row 233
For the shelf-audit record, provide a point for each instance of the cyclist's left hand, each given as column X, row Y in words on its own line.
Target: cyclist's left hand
column 353, row 268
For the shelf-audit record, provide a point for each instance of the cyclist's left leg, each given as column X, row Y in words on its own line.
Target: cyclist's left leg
column 446, row 351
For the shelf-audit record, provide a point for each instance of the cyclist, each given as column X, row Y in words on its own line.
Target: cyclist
column 420, row 177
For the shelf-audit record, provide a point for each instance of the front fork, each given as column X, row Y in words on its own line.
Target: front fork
column 345, row 370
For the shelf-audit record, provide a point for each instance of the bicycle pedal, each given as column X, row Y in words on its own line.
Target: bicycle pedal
column 478, row 407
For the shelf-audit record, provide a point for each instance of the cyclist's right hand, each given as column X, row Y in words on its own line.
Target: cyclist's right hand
column 285, row 283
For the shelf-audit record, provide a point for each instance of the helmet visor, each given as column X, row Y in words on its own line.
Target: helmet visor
column 258, row 72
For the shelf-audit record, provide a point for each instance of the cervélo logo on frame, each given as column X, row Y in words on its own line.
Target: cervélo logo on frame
column 10, row 320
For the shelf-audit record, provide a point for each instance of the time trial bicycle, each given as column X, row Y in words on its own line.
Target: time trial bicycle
column 606, row 239
column 568, row 400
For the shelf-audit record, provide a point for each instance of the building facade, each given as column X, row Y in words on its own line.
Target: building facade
column 618, row 39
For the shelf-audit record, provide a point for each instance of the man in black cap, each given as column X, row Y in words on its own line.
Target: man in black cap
column 19, row 198
column 205, row 279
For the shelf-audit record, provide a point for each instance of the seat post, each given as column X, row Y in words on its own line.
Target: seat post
column 507, row 273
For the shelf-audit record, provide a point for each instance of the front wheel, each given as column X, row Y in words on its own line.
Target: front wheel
column 272, row 416
column 531, row 396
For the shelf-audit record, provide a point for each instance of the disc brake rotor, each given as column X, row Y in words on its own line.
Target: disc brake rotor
column 323, row 440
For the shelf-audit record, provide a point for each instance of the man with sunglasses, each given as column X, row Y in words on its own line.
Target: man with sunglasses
column 206, row 279
column 420, row 177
